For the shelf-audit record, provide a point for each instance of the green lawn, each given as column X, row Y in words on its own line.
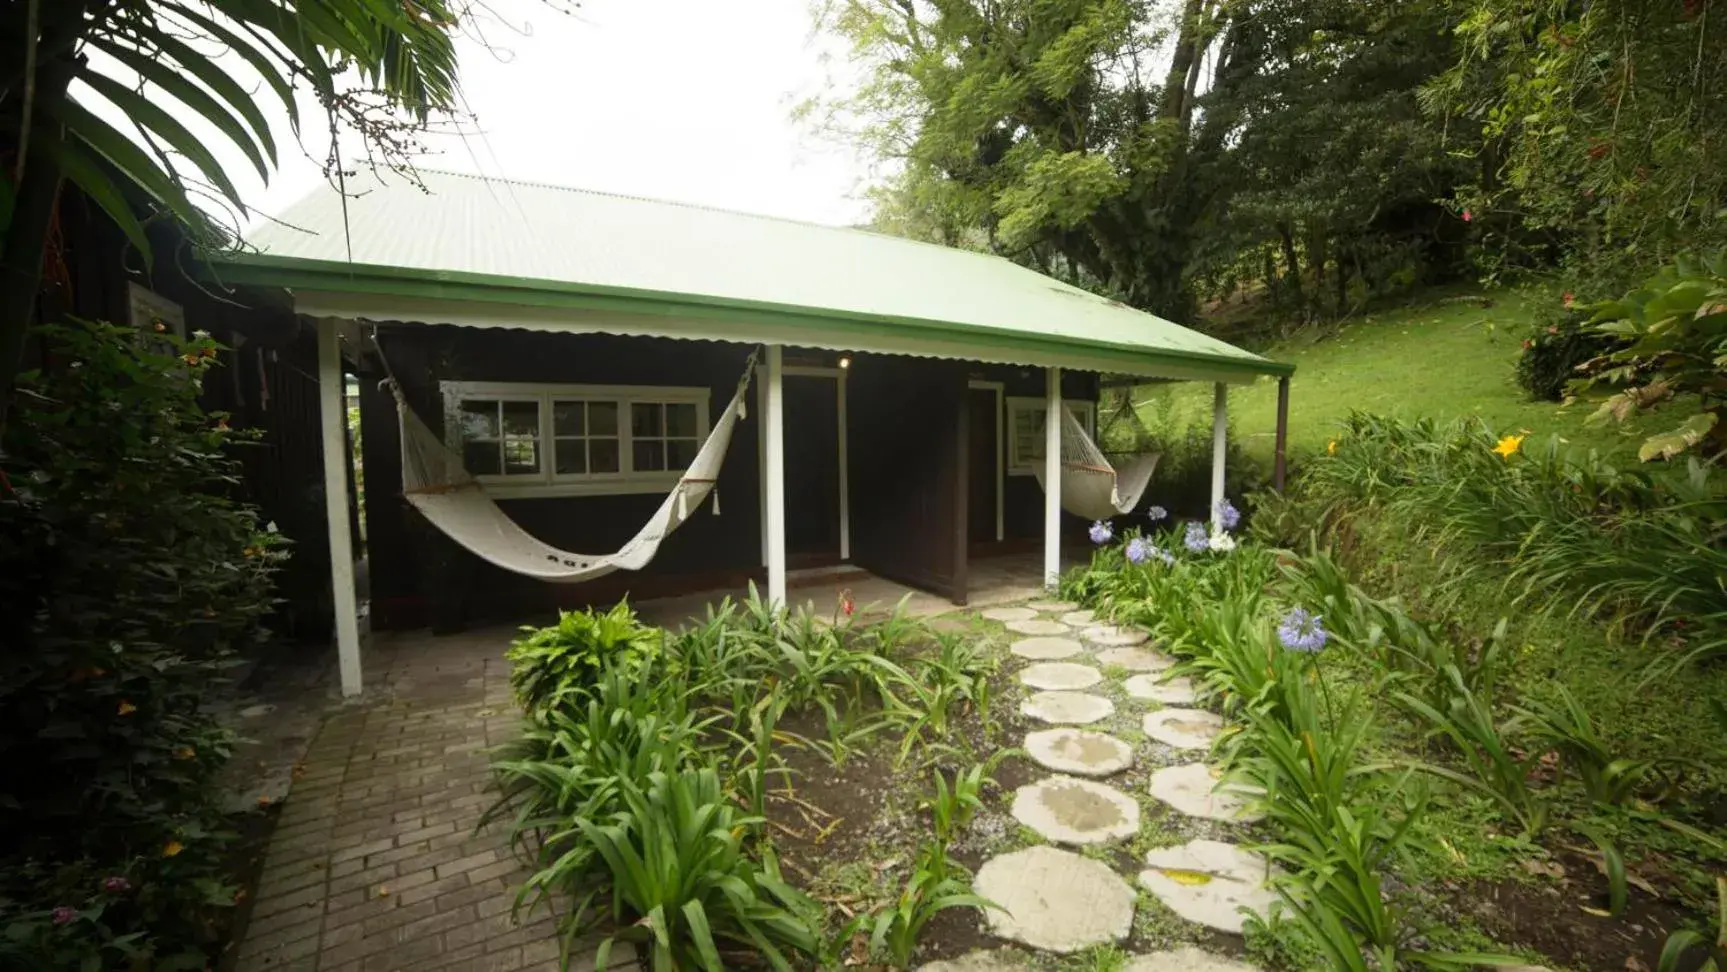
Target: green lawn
column 1443, row 356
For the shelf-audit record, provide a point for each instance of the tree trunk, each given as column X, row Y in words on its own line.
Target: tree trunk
column 1293, row 262
column 1187, row 45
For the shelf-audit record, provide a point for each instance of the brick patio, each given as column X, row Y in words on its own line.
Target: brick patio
column 374, row 863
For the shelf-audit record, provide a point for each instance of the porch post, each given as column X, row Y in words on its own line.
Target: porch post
column 1281, row 449
column 774, row 487
column 845, row 469
column 1219, row 445
column 1052, row 478
column 333, row 418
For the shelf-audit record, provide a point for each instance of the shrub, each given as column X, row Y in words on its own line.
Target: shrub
column 128, row 577
column 569, row 656
column 1554, row 349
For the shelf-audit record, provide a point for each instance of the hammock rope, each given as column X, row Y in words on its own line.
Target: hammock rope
column 1091, row 486
column 451, row 499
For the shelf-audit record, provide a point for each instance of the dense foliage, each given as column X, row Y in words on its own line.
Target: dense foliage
column 1555, row 348
column 128, row 578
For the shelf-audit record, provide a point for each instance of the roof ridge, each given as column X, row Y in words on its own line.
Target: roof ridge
column 705, row 207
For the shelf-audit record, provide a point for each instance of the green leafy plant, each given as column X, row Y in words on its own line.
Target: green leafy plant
column 1555, row 348
column 1566, row 727
column 568, row 657
column 1469, row 725
column 951, row 807
column 937, row 883
column 1685, row 941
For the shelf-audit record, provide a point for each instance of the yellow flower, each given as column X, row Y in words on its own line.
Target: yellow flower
column 172, row 848
column 184, row 752
column 127, row 708
column 1331, row 448
column 1509, row 445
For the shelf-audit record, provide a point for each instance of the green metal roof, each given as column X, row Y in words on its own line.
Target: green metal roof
column 488, row 252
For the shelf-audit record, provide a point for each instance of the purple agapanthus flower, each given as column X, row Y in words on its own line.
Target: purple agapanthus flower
column 115, row 884
column 1101, row 533
column 1138, row 551
column 63, row 915
column 1195, row 539
column 1302, row 631
column 1163, row 555
column 1227, row 515
column 1157, row 513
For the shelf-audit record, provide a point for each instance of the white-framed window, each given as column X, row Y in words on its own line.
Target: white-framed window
column 1025, row 430
column 525, row 440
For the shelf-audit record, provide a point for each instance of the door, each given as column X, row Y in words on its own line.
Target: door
column 982, row 456
column 812, row 470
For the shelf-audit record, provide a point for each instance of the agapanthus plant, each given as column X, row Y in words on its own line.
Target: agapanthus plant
column 1100, row 533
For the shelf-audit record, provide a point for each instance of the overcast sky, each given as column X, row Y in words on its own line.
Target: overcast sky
column 688, row 100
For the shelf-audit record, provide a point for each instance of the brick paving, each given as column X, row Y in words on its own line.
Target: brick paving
column 374, row 865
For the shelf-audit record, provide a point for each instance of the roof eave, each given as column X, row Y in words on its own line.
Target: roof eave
column 417, row 285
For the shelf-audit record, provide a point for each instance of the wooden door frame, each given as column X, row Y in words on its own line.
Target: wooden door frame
column 805, row 371
column 1000, row 390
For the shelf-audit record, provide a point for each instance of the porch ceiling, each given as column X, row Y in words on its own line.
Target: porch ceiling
column 491, row 253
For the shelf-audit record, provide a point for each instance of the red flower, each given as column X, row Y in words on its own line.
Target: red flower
column 64, row 915
column 1570, row 298
column 1468, row 216
column 1527, row 344
column 1551, row 329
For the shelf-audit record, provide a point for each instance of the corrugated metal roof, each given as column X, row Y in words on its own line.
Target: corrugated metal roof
column 529, row 233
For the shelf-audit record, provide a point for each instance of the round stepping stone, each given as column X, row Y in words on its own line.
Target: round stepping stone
column 1045, row 649
column 1060, row 676
column 1208, row 882
column 1071, row 708
column 1055, row 900
column 1005, row 614
column 1193, row 789
column 1078, row 751
column 1037, row 626
column 1184, row 728
column 1112, row 636
column 1066, row 810
column 1047, row 606
column 1169, row 691
column 1135, row 659
column 1079, row 619
column 1003, row 960
column 1183, row 959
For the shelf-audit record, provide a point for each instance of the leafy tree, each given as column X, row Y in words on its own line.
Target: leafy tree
column 371, row 64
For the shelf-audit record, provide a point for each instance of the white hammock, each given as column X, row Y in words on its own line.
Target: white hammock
column 1090, row 486
column 434, row 481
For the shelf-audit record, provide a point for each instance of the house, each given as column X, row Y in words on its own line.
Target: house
column 575, row 349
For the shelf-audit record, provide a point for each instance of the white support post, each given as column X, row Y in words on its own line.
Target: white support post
column 333, row 418
column 1219, row 445
column 1052, row 478
column 845, row 468
column 774, row 488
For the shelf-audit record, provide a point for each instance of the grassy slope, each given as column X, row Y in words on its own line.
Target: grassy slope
column 1442, row 356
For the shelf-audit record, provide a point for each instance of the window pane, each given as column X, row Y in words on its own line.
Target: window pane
column 602, row 418
column 521, row 456
column 480, row 458
column 479, row 420
column 522, row 418
column 572, row 456
column 681, row 420
column 680, row 453
column 603, row 455
column 567, row 418
column 650, row 455
column 647, row 418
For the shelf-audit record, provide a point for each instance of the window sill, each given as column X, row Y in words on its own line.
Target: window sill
column 634, row 486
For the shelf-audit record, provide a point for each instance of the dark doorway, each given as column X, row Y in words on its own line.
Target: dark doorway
column 982, row 463
column 812, row 470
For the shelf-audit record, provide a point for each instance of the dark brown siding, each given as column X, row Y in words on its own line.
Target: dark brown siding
column 1022, row 497
column 907, row 432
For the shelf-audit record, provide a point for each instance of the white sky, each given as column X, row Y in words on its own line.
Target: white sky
column 688, row 100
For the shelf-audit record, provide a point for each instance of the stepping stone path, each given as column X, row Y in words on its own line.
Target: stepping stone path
column 1046, row 648
column 1184, row 728
column 1208, row 882
column 1112, row 636
column 1037, row 626
column 1058, row 901
column 1184, row 959
column 1071, row 708
column 1059, row 676
column 1134, row 659
column 1078, row 751
column 1169, row 691
column 1067, row 810
column 1055, row 900
column 1194, row 790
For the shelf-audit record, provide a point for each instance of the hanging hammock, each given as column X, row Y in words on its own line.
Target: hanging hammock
column 434, row 481
column 1090, row 486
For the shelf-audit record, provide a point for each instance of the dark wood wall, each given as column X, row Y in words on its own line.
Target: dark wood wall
column 1022, row 497
column 907, row 433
